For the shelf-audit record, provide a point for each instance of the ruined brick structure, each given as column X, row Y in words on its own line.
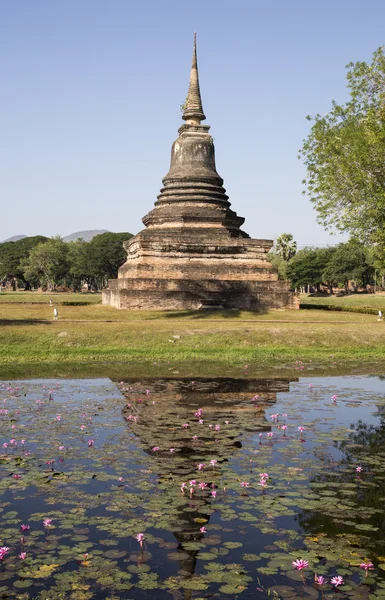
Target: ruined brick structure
column 193, row 253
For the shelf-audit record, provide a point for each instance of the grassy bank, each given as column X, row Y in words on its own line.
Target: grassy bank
column 375, row 301
column 100, row 340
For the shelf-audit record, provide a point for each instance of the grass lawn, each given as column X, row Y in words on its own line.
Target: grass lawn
column 97, row 340
column 359, row 300
column 45, row 297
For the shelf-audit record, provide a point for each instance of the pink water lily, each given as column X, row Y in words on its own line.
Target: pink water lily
column 213, row 462
column 203, row 530
column 337, row 580
column 359, row 469
column 140, row 538
column 185, row 425
column 201, row 466
column 47, row 522
column 244, row 484
column 172, row 450
column 155, row 449
column 366, row 566
column 202, row 485
column 22, row 555
column 3, row 551
column 300, row 564
column 213, row 493
column 90, row 443
column 25, row 527
column 319, row 579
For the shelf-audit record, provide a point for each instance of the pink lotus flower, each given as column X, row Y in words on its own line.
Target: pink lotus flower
column 244, row 484
column 213, row 462
column 3, row 551
column 300, row 564
column 301, row 428
column 155, row 449
column 320, row 580
column 213, row 493
column 337, row 580
column 22, row 555
column 203, row 530
column 264, row 475
column 367, row 566
column 185, row 425
column 192, row 482
column 201, row 466
column 202, row 485
column 359, row 469
column 140, row 538
column 263, row 482
column 47, row 522
column 270, row 434
column 25, row 527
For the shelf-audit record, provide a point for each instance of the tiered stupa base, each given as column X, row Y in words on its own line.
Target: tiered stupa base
column 165, row 272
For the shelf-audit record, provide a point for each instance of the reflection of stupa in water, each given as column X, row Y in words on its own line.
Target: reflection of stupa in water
column 157, row 411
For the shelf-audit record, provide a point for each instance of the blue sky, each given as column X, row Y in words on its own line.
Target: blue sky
column 90, row 95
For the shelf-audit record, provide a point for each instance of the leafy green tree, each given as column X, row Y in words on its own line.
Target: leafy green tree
column 106, row 255
column 285, row 246
column 80, row 263
column 351, row 262
column 344, row 155
column 279, row 264
column 11, row 255
column 308, row 268
column 47, row 264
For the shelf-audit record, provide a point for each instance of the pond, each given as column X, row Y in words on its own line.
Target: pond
column 180, row 489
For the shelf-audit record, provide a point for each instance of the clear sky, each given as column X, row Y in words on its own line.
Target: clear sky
column 90, row 96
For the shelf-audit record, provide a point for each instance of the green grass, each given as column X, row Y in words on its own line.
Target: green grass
column 376, row 301
column 44, row 298
column 100, row 340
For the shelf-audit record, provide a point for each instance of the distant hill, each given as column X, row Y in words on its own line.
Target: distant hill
column 85, row 235
column 14, row 238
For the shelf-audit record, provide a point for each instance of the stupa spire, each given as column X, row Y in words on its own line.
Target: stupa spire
column 193, row 111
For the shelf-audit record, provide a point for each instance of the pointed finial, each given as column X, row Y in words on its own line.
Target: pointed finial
column 193, row 112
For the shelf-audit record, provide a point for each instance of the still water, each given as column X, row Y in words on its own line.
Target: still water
column 228, row 480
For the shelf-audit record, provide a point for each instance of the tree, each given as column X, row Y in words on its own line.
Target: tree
column 11, row 255
column 308, row 267
column 351, row 262
column 106, row 255
column 344, row 155
column 285, row 246
column 47, row 263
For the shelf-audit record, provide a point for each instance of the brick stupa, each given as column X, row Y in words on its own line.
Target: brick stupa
column 193, row 253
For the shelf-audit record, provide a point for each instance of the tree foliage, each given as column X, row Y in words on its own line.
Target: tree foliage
column 11, row 255
column 49, row 263
column 308, row 267
column 344, row 155
column 285, row 246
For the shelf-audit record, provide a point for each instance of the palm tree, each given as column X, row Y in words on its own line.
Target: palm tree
column 285, row 246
